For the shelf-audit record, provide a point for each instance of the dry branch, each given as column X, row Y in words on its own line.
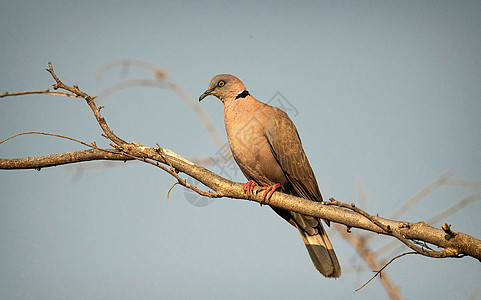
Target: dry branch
column 45, row 92
column 416, row 236
column 61, row 159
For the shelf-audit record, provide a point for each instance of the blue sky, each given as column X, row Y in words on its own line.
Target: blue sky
column 387, row 95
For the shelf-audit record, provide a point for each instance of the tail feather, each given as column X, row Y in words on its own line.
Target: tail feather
column 322, row 253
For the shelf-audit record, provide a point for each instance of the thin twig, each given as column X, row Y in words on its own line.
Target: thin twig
column 90, row 101
column 356, row 209
column 168, row 193
column 359, row 243
column 46, row 92
column 379, row 272
column 50, row 134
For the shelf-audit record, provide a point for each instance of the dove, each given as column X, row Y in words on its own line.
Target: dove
column 267, row 148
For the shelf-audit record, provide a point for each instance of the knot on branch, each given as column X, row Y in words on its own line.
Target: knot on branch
column 447, row 230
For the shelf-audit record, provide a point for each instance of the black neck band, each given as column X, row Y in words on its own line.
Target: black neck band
column 244, row 94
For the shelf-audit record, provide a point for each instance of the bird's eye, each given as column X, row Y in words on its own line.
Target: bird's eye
column 221, row 83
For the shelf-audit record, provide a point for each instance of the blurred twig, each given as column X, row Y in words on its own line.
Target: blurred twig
column 160, row 79
column 359, row 244
column 421, row 194
column 453, row 209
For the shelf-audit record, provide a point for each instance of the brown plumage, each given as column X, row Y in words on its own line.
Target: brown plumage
column 266, row 146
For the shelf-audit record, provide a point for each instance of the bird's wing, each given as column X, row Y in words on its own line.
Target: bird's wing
column 286, row 146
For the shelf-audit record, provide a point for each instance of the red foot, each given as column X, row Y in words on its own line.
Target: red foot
column 269, row 191
column 249, row 186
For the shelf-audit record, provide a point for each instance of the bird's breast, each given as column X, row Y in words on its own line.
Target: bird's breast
column 251, row 149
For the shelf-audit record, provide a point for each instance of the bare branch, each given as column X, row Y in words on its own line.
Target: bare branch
column 456, row 246
column 90, row 101
column 45, row 133
column 449, row 211
column 387, row 229
column 416, row 236
column 45, row 92
column 61, row 159
column 379, row 272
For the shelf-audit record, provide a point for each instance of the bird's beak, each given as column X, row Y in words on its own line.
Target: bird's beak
column 205, row 94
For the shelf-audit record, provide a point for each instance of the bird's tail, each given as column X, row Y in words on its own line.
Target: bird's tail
column 321, row 252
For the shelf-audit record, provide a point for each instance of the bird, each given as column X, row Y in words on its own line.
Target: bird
column 267, row 148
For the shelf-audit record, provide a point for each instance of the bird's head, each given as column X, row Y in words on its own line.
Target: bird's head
column 225, row 87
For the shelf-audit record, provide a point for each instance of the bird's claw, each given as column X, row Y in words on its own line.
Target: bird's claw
column 269, row 190
column 248, row 187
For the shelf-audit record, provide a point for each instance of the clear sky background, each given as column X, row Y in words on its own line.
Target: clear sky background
column 388, row 95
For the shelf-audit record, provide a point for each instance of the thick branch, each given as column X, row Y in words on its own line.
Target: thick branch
column 455, row 244
column 61, row 159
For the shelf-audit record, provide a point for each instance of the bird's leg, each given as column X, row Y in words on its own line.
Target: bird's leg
column 269, row 190
column 248, row 186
